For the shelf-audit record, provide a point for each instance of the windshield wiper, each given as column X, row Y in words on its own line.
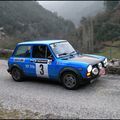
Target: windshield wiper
column 63, row 54
column 72, row 52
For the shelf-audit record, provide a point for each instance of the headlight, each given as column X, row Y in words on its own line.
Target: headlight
column 100, row 65
column 89, row 69
column 105, row 62
column 95, row 71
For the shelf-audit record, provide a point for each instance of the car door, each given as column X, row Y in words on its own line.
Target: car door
column 41, row 60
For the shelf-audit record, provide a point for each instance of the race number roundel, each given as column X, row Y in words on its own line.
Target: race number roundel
column 42, row 70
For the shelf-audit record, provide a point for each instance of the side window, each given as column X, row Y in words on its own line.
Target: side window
column 23, row 51
column 41, row 51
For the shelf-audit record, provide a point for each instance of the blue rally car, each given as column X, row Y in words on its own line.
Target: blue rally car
column 56, row 60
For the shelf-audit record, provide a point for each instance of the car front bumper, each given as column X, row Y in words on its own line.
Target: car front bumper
column 93, row 77
column 88, row 80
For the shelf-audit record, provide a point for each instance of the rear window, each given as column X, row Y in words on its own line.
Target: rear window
column 23, row 51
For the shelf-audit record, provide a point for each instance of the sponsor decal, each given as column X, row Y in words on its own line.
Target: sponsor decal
column 19, row 59
column 30, row 66
column 41, row 61
column 44, row 61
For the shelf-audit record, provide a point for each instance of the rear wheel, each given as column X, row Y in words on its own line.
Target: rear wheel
column 17, row 74
column 70, row 80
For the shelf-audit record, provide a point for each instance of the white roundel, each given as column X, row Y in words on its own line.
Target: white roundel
column 95, row 71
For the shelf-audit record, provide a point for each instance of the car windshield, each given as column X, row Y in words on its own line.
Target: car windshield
column 62, row 49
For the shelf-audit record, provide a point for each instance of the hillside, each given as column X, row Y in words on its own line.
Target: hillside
column 107, row 25
column 74, row 10
column 27, row 20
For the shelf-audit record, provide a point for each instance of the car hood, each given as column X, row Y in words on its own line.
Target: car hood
column 86, row 59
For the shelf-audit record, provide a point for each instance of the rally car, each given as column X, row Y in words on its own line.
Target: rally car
column 56, row 60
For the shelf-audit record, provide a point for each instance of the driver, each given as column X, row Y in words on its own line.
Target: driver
column 41, row 51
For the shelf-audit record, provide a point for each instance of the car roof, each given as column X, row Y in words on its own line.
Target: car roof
column 45, row 42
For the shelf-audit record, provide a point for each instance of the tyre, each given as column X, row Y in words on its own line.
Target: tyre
column 70, row 80
column 17, row 74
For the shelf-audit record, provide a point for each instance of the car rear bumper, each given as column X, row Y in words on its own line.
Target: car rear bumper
column 9, row 70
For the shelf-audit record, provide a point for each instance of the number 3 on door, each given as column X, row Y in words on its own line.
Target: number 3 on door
column 41, row 69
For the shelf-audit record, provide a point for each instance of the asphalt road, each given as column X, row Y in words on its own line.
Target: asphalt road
column 100, row 99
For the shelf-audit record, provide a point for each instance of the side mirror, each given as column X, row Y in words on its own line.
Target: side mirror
column 78, row 52
column 51, row 58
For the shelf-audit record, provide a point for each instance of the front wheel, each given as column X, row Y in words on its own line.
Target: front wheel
column 70, row 80
column 17, row 75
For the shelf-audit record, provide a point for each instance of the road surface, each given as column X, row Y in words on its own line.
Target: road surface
column 100, row 99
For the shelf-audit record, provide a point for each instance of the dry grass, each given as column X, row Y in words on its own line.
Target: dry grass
column 26, row 114
column 113, row 51
column 16, row 114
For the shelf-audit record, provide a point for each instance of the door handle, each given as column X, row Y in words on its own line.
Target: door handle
column 32, row 60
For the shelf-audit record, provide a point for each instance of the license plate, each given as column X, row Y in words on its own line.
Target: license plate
column 102, row 71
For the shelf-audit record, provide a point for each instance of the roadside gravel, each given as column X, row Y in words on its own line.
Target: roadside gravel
column 100, row 99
